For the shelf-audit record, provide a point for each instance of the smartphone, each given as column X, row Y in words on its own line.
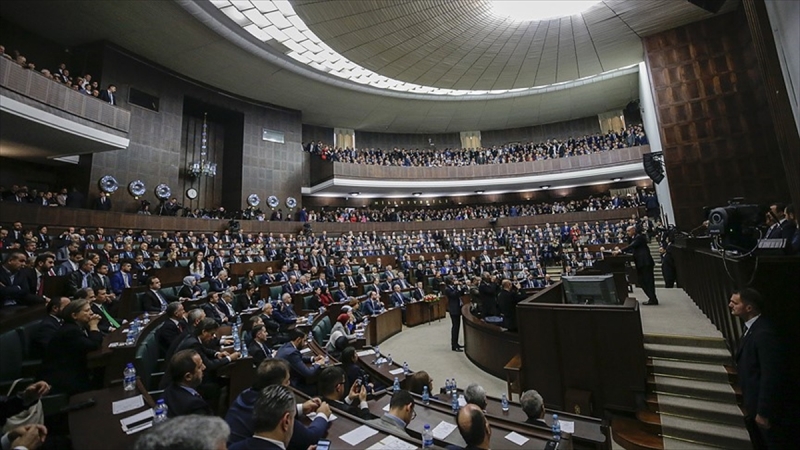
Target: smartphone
column 323, row 445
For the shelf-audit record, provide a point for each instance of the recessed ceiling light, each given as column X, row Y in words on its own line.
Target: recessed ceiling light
column 355, row 194
column 529, row 10
column 480, row 191
column 416, row 194
column 616, row 179
column 545, row 186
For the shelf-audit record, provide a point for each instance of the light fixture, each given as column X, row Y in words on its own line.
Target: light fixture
column 545, row 186
column 530, row 10
column 355, row 194
column 480, row 191
column 203, row 167
column 416, row 194
column 616, row 179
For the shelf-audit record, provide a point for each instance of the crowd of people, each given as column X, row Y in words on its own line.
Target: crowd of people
column 510, row 153
column 85, row 84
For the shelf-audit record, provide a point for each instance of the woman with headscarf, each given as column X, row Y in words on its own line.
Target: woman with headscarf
column 340, row 330
column 190, row 289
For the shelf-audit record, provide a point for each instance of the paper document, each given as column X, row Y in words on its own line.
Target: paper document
column 305, row 350
column 443, row 430
column 137, row 419
column 363, row 353
column 313, row 416
column 392, row 443
column 567, row 426
column 386, row 408
column 358, row 435
column 128, row 404
column 396, row 371
column 517, row 438
column 141, row 427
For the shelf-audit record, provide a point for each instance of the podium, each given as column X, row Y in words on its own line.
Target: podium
column 618, row 266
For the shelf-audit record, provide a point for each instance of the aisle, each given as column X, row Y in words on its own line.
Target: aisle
column 427, row 347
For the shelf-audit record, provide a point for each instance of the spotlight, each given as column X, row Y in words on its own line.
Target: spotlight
column 480, row 191
column 355, row 194
column 545, row 186
column 416, row 194
column 616, row 179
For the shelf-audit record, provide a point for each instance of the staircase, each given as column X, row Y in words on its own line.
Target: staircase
column 554, row 272
column 690, row 402
column 657, row 273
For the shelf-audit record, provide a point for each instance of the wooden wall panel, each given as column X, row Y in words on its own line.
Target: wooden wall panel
column 716, row 128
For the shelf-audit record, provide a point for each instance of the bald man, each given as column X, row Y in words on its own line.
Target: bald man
column 474, row 427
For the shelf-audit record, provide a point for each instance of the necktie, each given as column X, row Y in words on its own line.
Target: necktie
column 40, row 287
column 125, row 280
column 85, row 282
column 745, row 330
column 111, row 320
column 161, row 299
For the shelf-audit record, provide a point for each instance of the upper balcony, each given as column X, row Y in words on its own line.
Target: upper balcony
column 45, row 119
column 335, row 179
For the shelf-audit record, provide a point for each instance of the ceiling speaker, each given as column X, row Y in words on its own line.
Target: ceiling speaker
column 653, row 166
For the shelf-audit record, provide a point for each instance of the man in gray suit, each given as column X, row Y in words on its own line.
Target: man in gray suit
column 401, row 413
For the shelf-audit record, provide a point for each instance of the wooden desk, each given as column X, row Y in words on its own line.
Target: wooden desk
column 433, row 414
column 114, row 359
column 487, row 345
column 421, row 312
column 383, row 326
column 96, row 428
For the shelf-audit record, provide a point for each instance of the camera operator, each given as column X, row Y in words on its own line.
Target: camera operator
column 507, row 300
column 171, row 207
column 453, row 292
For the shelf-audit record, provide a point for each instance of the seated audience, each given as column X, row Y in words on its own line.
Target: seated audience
column 275, row 372
column 172, row 327
column 17, row 283
column 300, row 372
column 64, row 365
column 401, row 412
column 476, row 394
column 193, row 432
column 533, row 405
column 332, row 382
column 154, row 300
column 47, row 327
column 417, row 382
column 259, row 350
column 186, row 374
column 473, row 427
column 340, row 334
column 274, row 415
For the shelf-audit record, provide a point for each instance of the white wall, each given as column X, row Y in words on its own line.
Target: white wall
column 653, row 130
column 784, row 19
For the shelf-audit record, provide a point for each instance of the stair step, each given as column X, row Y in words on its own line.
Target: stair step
column 705, row 390
column 709, row 411
column 715, row 434
column 650, row 420
column 687, row 341
column 698, row 371
column 631, row 435
column 670, row 443
column 683, row 353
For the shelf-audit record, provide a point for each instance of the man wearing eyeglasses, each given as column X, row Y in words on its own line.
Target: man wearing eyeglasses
column 332, row 382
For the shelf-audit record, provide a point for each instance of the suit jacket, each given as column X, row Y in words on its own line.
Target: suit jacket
column 508, row 306
column 368, row 308
column 22, row 289
column 104, row 325
column 102, row 206
column 168, row 332
column 206, row 354
column 398, row 299
column 65, row 365
column 641, row 252
column 259, row 352
column 417, row 294
column 453, row 300
column 760, row 369
column 42, row 335
column 108, row 97
column 240, row 420
column 217, row 285
column 75, row 281
column 339, row 296
column 181, row 402
column 151, row 302
column 299, row 371
column 118, row 281
column 388, row 424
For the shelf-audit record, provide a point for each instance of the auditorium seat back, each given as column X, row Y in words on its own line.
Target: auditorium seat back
column 10, row 357
column 147, row 360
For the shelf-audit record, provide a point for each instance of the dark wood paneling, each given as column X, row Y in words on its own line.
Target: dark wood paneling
column 316, row 133
column 388, row 141
column 716, row 128
column 487, row 345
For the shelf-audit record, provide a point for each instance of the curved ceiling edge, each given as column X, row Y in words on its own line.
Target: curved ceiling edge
column 211, row 17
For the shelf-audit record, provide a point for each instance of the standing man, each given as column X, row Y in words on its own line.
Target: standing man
column 644, row 263
column 453, row 294
column 759, row 364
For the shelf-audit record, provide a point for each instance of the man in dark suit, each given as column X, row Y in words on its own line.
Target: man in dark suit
column 186, row 374
column 418, row 292
column 109, row 95
column 17, row 284
column 332, row 382
column 100, row 300
column 759, row 362
column 273, row 420
column 48, row 326
column 507, row 300
column 102, row 203
column 533, row 406
column 81, row 278
column 201, row 337
column 122, row 279
column 372, row 305
column 275, row 372
column 172, row 327
column 259, row 350
column 154, row 300
column 644, row 263
column 340, row 295
column 303, row 368
column 453, row 294
column 474, row 428
column 284, row 312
